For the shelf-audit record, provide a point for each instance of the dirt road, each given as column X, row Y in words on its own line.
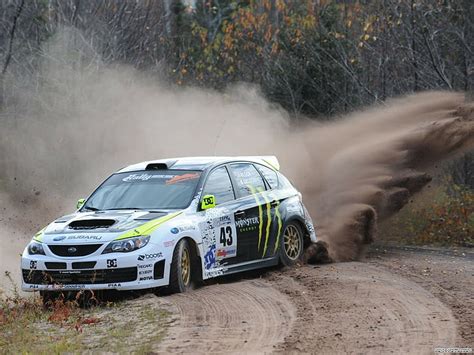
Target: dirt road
column 400, row 300
column 384, row 304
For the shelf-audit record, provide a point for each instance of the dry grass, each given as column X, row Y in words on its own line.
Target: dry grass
column 26, row 326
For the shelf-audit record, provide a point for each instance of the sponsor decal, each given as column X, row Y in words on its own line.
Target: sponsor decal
column 33, row 286
column 65, row 287
column 183, row 228
column 111, row 263
column 310, row 227
column 145, row 278
column 216, row 272
column 218, row 232
column 210, row 257
column 149, row 256
column 184, row 177
column 226, row 253
column 83, row 237
column 224, row 220
column 146, row 177
column 145, row 272
column 247, row 224
column 168, row 243
column 114, row 285
column 33, row 264
column 145, row 266
column 59, row 238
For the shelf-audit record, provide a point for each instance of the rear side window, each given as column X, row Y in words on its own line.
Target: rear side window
column 219, row 184
column 248, row 179
column 269, row 175
column 284, row 182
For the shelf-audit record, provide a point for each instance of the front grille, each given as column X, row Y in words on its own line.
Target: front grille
column 57, row 266
column 80, row 277
column 84, row 265
column 80, row 250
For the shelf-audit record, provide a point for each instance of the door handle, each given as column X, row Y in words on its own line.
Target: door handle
column 240, row 214
column 274, row 203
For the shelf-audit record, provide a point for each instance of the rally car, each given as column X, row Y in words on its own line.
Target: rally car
column 172, row 223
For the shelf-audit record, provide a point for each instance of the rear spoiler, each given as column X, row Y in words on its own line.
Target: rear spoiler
column 272, row 161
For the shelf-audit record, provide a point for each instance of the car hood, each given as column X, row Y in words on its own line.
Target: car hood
column 101, row 226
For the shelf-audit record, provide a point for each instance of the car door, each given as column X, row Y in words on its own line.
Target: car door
column 275, row 197
column 217, row 227
column 254, row 213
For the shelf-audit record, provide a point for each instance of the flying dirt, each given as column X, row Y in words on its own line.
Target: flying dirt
column 60, row 139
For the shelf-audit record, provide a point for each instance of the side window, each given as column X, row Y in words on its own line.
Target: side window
column 248, row 179
column 218, row 184
column 269, row 175
column 284, row 182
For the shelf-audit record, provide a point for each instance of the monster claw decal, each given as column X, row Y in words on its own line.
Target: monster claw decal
column 269, row 222
column 260, row 215
column 277, row 213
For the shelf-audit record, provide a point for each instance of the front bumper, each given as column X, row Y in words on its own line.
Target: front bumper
column 130, row 271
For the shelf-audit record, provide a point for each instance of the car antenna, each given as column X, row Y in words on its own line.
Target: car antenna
column 219, row 135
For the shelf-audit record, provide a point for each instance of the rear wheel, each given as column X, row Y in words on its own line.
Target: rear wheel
column 291, row 244
column 181, row 268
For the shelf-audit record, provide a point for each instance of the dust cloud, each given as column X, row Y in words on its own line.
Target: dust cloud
column 78, row 120
column 366, row 166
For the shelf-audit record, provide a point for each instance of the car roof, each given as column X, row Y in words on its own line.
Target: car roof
column 199, row 163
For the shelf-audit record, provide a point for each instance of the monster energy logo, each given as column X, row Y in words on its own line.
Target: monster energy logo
column 268, row 210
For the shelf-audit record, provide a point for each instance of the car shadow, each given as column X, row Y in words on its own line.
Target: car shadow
column 103, row 298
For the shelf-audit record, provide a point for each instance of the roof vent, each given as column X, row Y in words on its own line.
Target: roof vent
column 156, row 166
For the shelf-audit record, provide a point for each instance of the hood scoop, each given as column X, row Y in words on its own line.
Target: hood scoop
column 91, row 224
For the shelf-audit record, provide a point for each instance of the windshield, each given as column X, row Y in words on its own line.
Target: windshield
column 149, row 190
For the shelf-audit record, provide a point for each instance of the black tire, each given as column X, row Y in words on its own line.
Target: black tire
column 291, row 244
column 181, row 273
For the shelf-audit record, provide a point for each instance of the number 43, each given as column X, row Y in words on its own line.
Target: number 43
column 226, row 236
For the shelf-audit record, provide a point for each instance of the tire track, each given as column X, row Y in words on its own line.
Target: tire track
column 246, row 316
column 361, row 308
column 338, row 308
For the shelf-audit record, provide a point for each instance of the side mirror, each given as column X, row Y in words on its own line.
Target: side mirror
column 208, row 201
column 80, row 203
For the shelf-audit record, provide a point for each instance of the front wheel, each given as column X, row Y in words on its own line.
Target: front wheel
column 291, row 244
column 180, row 274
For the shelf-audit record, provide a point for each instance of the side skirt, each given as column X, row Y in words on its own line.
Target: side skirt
column 251, row 265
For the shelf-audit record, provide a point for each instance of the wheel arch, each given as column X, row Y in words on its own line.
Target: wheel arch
column 195, row 254
column 306, row 234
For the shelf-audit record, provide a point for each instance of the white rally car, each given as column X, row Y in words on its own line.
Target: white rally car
column 172, row 223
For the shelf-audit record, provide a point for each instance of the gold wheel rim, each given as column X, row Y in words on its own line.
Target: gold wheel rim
column 185, row 266
column 292, row 242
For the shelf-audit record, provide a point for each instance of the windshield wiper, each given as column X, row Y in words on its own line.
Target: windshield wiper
column 91, row 208
column 123, row 208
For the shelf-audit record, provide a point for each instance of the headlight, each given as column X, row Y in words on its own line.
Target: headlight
column 35, row 248
column 127, row 245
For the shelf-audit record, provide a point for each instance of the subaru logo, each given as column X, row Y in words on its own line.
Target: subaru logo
column 71, row 250
column 61, row 237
